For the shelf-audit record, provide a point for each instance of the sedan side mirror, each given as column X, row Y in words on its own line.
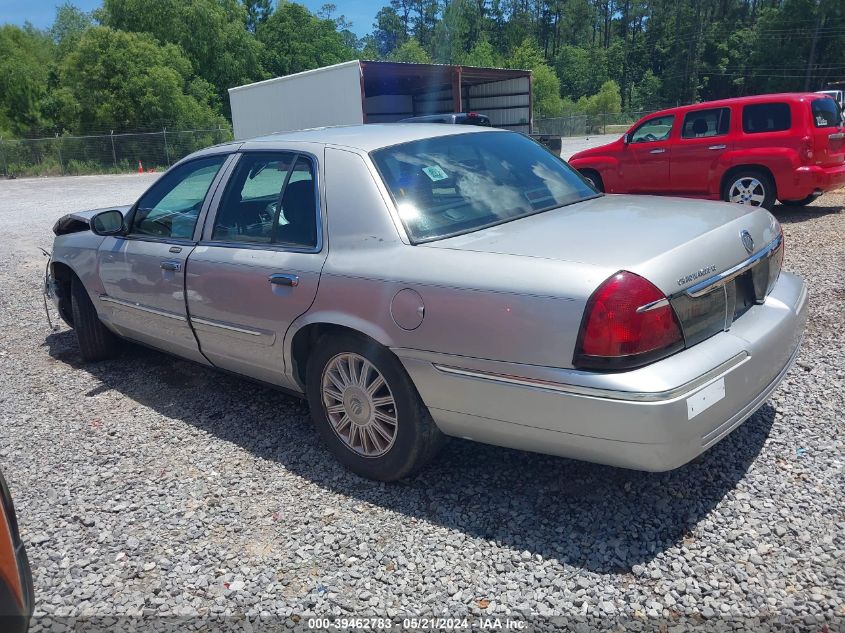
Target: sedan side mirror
column 107, row 223
column 626, row 138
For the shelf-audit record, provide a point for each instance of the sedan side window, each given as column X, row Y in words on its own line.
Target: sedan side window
column 705, row 123
column 171, row 207
column 270, row 199
column 249, row 203
column 657, row 129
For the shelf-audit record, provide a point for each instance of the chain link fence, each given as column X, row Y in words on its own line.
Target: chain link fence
column 103, row 154
column 156, row 151
column 585, row 124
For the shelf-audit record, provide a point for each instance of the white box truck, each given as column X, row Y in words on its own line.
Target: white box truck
column 380, row 92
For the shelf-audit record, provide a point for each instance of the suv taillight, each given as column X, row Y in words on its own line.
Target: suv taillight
column 805, row 152
column 628, row 322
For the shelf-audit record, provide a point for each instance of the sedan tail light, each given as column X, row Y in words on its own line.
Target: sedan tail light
column 628, row 322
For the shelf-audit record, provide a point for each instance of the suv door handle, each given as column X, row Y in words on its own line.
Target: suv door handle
column 717, row 147
column 283, row 279
column 658, row 151
column 171, row 265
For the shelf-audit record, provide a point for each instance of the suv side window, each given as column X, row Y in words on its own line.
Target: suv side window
column 657, row 129
column 171, row 207
column 706, row 123
column 270, row 199
column 766, row 117
column 826, row 113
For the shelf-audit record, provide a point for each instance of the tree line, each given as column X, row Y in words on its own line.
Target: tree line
column 142, row 64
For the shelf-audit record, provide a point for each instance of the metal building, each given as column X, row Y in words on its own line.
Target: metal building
column 380, row 92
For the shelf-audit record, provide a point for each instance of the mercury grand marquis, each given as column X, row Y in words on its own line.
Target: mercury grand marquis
column 419, row 281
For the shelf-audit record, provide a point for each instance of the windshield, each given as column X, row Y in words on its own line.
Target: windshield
column 455, row 184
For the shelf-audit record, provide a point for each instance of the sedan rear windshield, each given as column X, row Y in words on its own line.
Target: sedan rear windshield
column 826, row 113
column 460, row 183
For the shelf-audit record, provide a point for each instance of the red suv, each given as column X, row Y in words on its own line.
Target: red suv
column 750, row 150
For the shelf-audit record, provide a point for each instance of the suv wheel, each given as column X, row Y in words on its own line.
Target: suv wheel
column 594, row 178
column 367, row 410
column 750, row 186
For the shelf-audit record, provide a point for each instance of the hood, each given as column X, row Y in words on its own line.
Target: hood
column 597, row 151
column 664, row 239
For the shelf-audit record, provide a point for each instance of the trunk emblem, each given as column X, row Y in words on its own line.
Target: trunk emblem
column 747, row 241
column 698, row 274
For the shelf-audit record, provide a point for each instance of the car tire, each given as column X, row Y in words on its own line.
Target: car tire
column 594, row 177
column 96, row 341
column 798, row 203
column 750, row 186
column 354, row 422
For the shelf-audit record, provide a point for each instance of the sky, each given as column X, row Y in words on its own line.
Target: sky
column 41, row 12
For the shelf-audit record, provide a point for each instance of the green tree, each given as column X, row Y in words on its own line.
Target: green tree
column 257, row 12
column 452, row 38
column 389, row 32
column 606, row 101
column 129, row 81
column 295, row 40
column 25, row 56
column 411, row 51
column 69, row 25
column 482, row 55
column 212, row 34
column 526, row 56
column 546, row 85
column 582, row 71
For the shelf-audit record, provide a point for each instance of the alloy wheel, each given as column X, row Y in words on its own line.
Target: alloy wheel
column 359, row 405
column 747, row 190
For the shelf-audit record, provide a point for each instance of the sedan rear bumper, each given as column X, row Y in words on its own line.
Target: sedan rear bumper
column 653, row 418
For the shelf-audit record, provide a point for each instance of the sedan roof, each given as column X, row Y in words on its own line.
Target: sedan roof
column 371, row 136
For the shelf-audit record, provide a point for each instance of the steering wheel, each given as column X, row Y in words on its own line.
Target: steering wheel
column 649, row 137
column 268, row 213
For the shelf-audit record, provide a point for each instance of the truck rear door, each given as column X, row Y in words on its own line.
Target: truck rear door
column 828, row 132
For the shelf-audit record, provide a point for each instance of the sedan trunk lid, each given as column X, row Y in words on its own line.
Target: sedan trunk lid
column 666, row 240
column 675, row 244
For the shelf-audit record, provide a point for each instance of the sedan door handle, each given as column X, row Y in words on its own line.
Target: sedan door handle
column 657, row 151
column 283, row 279
column 171, row 265
column 717, row 147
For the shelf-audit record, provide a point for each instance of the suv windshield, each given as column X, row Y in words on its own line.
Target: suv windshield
column 826, row 113
column 455, row 184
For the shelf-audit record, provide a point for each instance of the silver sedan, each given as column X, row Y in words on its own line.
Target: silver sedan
column 419, row 281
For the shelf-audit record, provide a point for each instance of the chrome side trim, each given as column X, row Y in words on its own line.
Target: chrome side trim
column 230, row 328
column 720, row 279
column 143, row 308
column 609, row 394
column 660, row 303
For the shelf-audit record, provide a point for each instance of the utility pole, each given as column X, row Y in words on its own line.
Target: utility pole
column 166, row 152
column 811, row 61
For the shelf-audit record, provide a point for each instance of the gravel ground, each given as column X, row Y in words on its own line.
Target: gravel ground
column 147, row 486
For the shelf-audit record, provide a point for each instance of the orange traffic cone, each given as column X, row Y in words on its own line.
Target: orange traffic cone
column 140, row 168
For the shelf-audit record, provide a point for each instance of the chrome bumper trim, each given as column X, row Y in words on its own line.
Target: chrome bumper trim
column 608, row 394
column 720, row 279
column 137, row 306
